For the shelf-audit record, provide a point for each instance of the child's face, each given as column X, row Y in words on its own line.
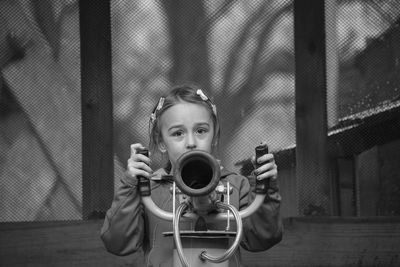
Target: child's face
column 186, row 126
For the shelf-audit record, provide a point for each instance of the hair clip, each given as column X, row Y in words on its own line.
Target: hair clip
column 159, row 106
column 160, row 103
column 201, row 94
column 214, row 109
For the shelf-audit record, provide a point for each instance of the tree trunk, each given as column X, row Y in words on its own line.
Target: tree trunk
column 188, row 32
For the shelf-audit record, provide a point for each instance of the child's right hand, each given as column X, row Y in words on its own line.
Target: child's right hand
column 138, row 164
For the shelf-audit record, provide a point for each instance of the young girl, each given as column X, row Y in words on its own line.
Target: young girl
column 184, row 120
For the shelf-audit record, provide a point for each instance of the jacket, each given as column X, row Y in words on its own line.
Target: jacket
column 128, row 227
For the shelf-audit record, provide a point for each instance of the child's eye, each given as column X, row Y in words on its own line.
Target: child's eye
column 202, row 131
column 177, row 133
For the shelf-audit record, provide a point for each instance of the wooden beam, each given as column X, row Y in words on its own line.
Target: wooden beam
column 367, row 182
column 308, row 242
column 311, row 119
column 97, row 108
column 72, row 243
column 333, row 242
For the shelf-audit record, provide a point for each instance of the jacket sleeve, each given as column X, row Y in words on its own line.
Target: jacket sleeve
column 263, row 229
column 123, row 229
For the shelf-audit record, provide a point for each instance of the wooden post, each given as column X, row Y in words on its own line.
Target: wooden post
column 367, row 182
column 311, row 118
column 97, row 108
column 332, row 62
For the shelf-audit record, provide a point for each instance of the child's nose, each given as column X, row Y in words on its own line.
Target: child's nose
column 191, row 146
column 191, row 142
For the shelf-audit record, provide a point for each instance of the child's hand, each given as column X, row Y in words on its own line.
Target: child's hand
column 138, row 164
column 267, row 168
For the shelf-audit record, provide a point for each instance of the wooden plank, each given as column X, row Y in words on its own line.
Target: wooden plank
column 367, row 182
column 346, row 179
column 316, row 241
column 311, row 120
column 287, row 188
column 56, row 244
column 332, row 62
column 389, row 182
column 333, row 242
column 97, row 108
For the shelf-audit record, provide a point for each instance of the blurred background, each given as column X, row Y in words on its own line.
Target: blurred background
column 241, row 52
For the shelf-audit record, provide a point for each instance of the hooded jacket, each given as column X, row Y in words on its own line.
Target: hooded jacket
column 128, row 227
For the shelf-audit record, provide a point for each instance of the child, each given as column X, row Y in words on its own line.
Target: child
column 184, row 120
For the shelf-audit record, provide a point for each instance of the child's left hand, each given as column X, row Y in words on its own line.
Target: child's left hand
column 267, row 168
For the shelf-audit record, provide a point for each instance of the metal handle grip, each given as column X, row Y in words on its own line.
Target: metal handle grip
column 261, row 185
column 144, row 184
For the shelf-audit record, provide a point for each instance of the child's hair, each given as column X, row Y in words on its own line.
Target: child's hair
column 182, row 93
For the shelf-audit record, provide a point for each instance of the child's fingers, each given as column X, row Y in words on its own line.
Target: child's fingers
column 267, row 170
column 139, row 168
column 138, row 164
column 271, row 174
column 135, row 148
column 135, row 156
column 265, row 158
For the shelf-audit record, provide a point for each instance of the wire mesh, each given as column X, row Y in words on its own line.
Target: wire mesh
column 40, row 166
column 242, row 52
